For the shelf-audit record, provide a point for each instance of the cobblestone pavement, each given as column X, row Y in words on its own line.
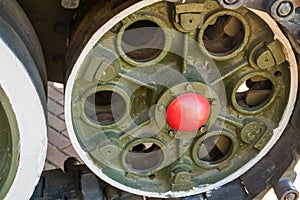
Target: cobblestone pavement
column 59, row 144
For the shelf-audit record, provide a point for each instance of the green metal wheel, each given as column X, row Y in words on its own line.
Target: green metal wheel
column 171, row 105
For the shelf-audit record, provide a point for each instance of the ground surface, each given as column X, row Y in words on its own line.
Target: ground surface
column 59, row 145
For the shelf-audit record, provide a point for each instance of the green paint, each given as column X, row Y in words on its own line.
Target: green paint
column 9, row 145
column 137, row 147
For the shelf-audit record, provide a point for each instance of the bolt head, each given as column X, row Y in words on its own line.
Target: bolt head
column 171, row 133
column 204, row 129
column 214, row 102
column 291, row 196
column 189, row 87
column 284, row 9
column 161, row 108
column 230, row 1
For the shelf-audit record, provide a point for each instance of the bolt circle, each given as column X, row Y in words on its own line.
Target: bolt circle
column 188, row 112
column 170, row 95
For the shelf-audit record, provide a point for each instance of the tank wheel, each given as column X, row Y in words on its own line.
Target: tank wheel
column 180, row 104
column 23, row 139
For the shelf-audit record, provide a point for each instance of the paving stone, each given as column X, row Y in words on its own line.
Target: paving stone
column 65, row 133
column 59, row 89
column 58, row 140
column 56, row 123
column 61, row 102
column 71, row 152
column 62, row 116
column 54, row 107
column 53, row 94
column 50, row 84
column 55, row 156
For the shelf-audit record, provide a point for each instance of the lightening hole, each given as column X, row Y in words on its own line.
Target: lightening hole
column 143, row 41
column 144, row 157
column 224, row 36
column 254, row 93
column 104, row 107
column 215, row 149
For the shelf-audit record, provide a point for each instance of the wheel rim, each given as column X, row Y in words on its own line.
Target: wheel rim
column 9, row 144
column 23, row 134
column 265, row 85
column 23, row 102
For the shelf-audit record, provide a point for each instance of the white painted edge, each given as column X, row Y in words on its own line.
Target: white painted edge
column 32, row 126
column 277, row 132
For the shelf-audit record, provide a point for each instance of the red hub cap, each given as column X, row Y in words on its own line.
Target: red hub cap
column 188, row 112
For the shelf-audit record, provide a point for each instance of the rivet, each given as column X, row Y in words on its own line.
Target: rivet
column 189, row 87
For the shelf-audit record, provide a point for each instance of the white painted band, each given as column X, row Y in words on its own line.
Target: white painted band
column 29, row 112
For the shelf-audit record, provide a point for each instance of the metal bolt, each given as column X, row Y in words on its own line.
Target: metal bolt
column 285, row 189
column 284, row 9
column 189, row 87
column 171, row 133
column 161, row 108
column 290, row 196
column 204, row 129
column 105, row 72
column 230, row 1
column 70, row 4
column 213, row 102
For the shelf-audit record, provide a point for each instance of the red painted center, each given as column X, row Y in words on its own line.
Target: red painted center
column 188, row 112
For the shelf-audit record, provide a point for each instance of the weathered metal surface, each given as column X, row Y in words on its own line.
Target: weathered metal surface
column 284, row 12
column 52, row 24
column 120, row 121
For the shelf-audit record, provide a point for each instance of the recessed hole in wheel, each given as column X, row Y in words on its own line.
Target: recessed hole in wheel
column 277, row 73
column 143, row 41
column 215, row 149
column 144, row 157
column 224, row 35
column 254, row 93
column 104, row 107
column 212, row 149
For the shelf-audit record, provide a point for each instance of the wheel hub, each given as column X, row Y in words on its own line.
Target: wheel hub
column 188, row 112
